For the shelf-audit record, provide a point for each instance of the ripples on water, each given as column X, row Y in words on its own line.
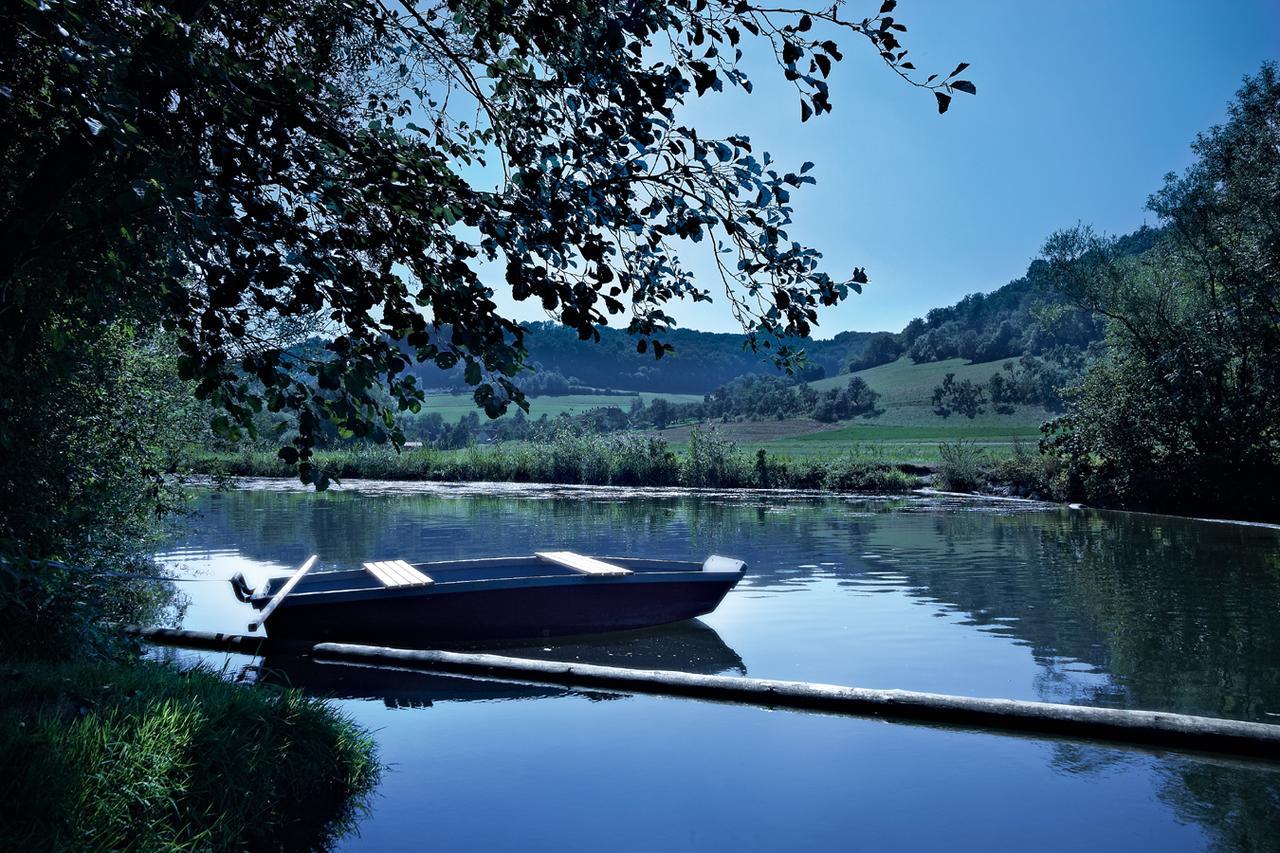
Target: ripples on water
column 930, row 593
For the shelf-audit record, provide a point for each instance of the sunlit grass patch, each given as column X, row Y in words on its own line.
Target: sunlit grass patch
column 145, row 757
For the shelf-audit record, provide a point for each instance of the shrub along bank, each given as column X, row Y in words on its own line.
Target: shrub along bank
column 709, row 461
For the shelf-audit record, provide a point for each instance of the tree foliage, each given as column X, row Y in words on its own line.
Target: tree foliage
column 964, row 397
column 248, row 172
column 1184, row 410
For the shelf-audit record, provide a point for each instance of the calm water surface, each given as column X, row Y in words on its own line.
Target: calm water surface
column 982, row 599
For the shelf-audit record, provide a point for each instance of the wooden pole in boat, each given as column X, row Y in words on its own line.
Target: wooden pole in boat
column 1149, row 728
column 284, row 590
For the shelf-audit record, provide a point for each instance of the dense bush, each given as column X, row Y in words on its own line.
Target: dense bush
column 84, row 447
column 964, row 466
column 1029, row 473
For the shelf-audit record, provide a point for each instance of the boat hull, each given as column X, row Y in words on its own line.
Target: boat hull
column 503, row 614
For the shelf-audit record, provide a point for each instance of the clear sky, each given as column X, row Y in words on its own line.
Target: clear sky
column 1082, row 107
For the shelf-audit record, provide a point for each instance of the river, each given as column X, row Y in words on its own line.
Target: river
column 980, row 598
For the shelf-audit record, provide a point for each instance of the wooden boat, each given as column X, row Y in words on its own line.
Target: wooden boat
column 552, row 593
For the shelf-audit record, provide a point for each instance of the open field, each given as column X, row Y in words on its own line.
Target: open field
column 453, row 407
column 903, row 382
column 904, row 428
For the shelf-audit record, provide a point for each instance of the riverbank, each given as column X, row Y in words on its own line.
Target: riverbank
column 706, row 462
column 145, row 756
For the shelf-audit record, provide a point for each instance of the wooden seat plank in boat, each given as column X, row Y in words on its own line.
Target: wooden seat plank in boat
column 397, row 573
column 580, row 563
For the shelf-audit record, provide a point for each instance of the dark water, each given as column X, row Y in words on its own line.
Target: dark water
column 1010, row 600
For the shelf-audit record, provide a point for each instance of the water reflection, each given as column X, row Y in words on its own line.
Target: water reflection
column 1023, row 602
column 687, row 647
column 1116, row 609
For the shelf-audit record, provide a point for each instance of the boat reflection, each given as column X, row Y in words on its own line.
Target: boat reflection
column 688, row 647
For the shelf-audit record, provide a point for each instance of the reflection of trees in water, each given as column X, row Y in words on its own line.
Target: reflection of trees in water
column 1237, row 805
column 1169, row 613
column 1182, row 615
column 347, row 527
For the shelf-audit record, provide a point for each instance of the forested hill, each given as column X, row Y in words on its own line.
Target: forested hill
column 701, row 362
column 1024, row 317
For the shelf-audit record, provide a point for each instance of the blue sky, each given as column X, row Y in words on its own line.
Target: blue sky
column 1082, row 107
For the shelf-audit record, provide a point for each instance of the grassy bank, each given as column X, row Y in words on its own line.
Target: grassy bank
column 146, row 757
column 706, row 461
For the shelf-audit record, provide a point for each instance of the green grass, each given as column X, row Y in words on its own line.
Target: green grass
column 142, row 756
column 905, row 429
column 903, row 445
column 453, row 407
column 616, row 460
column 903, row 382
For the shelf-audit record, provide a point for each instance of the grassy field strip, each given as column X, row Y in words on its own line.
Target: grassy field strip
column 904, row 381
column 453, row 407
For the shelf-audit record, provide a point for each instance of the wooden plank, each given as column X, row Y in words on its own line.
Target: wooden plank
column 397, row 570
column 375, row 569
column 584, row 564
column 389, row 569
column 408, row 576
column 284, row 591
column 419, row 579
column 393, row 573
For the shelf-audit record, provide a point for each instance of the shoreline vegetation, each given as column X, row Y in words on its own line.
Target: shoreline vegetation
column 144, row 756
column 707, row 461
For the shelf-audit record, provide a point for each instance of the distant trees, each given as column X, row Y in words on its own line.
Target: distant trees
column 1025, row 317
column 699, row 361
column 964, row 397
column 760, row 397
column 1030, row 381
column 748, row 398
column 882, row 348
column 1183, row 409
column 841, row 404
column 1033, row 381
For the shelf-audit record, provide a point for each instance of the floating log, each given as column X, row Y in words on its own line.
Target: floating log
column 1148, row 728
column 218, row 642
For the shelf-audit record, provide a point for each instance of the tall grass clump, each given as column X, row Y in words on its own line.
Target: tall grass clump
column 713, row 461
column 140, row 757
column 963, row 467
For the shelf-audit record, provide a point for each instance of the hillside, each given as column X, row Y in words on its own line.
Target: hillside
column 904, row 427
column 906, row 389
column 1024, row 317
column 701, row 362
